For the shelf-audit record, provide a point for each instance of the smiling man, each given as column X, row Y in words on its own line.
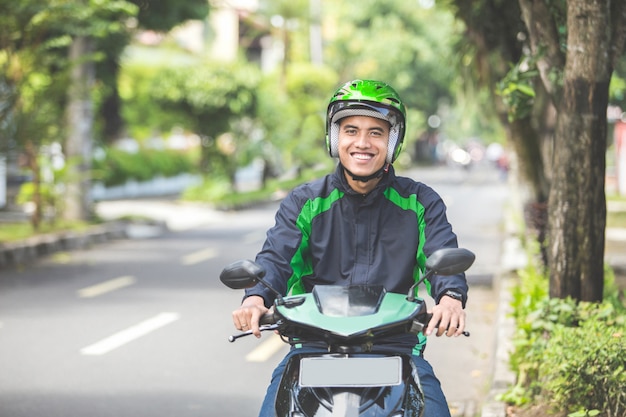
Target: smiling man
column 363, row 150
column 361, row 224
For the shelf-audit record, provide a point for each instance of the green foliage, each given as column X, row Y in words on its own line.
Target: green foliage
column 584, row 367
column 617, row 89
column 517, row 91
column 213, row 99
column 218, row 192
column 14, row 232
column 212, row 189
column 118, row 166
column 568, row 354
column 292, row 117
column 162, row 15
column 399, row 42
column 143, row 115
column 213, row 95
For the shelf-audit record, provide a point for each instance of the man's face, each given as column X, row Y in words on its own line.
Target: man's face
column 363, row 144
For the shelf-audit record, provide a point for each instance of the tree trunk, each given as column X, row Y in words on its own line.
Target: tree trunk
column 33, row 164
column 79, row 127
column 577, row 204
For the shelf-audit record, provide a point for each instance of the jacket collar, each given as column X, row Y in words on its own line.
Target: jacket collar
column 342, row 183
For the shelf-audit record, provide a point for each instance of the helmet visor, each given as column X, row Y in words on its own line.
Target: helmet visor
column 341, row 109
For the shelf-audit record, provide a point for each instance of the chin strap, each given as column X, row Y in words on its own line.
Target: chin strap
column 377, row 174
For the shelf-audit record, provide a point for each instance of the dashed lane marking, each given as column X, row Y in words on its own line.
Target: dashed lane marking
column 128, row 335
column 107, row 286
column 254, row 237
column 266, row 349
column 199, row 256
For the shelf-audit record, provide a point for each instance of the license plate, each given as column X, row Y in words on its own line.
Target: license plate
column 350, row 372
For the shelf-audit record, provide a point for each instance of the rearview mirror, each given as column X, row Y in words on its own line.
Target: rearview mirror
column 450, row 261
column 242, row 274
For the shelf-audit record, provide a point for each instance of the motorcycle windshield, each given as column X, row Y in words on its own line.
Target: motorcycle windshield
column 348, row 301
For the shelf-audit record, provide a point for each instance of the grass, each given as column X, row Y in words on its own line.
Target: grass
column 616, row 218
column 11, row 232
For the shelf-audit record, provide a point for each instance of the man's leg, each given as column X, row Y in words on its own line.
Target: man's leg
column 435, row 404
column 268, row 407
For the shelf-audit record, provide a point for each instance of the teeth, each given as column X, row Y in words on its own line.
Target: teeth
column 362, row 156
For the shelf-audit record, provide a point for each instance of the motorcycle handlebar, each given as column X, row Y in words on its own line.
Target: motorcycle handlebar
column 429, row 316
column 268, row 318
column 267, row 322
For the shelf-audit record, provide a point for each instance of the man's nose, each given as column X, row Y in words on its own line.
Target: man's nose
column 362, row 140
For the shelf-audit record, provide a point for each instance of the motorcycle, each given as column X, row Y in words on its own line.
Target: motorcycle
column 348, row 378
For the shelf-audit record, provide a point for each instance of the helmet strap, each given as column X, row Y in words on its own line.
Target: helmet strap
column 383, row 170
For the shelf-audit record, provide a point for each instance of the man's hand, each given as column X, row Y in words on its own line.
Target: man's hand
column 247, row 316
column 448, row 317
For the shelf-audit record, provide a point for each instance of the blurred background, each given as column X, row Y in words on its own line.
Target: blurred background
column 188, row 120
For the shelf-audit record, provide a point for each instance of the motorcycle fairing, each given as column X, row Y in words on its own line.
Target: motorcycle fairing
column 369, row 312
column 405, row 399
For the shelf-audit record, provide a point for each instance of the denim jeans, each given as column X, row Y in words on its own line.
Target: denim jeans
column 434, row 399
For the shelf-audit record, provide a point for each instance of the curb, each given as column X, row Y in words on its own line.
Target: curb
column 24, row 251
column 513, row 259
column 503, row 377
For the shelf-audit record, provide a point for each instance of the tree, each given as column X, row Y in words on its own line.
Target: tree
column 35, row 76
column 211, row 100
column 156, row 15
column 596, row 33
column 572, row 48
column 49, row 55
column 402, row 43
column 83, row 23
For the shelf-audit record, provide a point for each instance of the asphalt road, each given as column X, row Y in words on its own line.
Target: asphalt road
column 140, row 326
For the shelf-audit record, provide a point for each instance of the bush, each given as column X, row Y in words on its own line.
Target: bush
column 584, row 366
column 569, row 355
column 118, row 166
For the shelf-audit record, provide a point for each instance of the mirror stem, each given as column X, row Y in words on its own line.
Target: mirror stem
column 411, row 294
column 279, row 297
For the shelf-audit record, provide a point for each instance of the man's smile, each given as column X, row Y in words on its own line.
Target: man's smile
column 362, row 156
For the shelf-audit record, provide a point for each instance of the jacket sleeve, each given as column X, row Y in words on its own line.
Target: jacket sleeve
column 439, row 235
column 279, row 248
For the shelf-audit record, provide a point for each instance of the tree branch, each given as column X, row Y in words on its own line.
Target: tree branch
column 618, row 31
column 544, row 43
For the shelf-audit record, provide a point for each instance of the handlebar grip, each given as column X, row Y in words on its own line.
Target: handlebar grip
column 267, row 318
column 427, row 318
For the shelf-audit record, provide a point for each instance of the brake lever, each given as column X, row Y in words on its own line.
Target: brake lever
column 234, row 337
column 464, row 333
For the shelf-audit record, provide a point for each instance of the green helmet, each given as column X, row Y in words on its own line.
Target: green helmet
column 366, row 98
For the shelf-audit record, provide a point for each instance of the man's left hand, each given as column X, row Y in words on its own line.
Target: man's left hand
column 448, row 317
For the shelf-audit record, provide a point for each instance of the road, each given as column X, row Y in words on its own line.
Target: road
column 139, row 327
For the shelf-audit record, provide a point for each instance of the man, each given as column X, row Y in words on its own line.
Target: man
column 361, row 225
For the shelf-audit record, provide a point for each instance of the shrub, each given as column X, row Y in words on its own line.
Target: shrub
column 570, row 355
column 584, row 367
column 118, row 166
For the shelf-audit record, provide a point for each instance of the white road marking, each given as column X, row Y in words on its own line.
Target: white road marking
column 199, row 256
column 266, row 350
column 125, row 336
column 107, row 286
column 254, row 237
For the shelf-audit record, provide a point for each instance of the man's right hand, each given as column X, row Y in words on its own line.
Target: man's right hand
column 247, row 316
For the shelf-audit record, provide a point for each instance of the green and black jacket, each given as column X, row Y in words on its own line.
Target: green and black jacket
column 326, row 233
